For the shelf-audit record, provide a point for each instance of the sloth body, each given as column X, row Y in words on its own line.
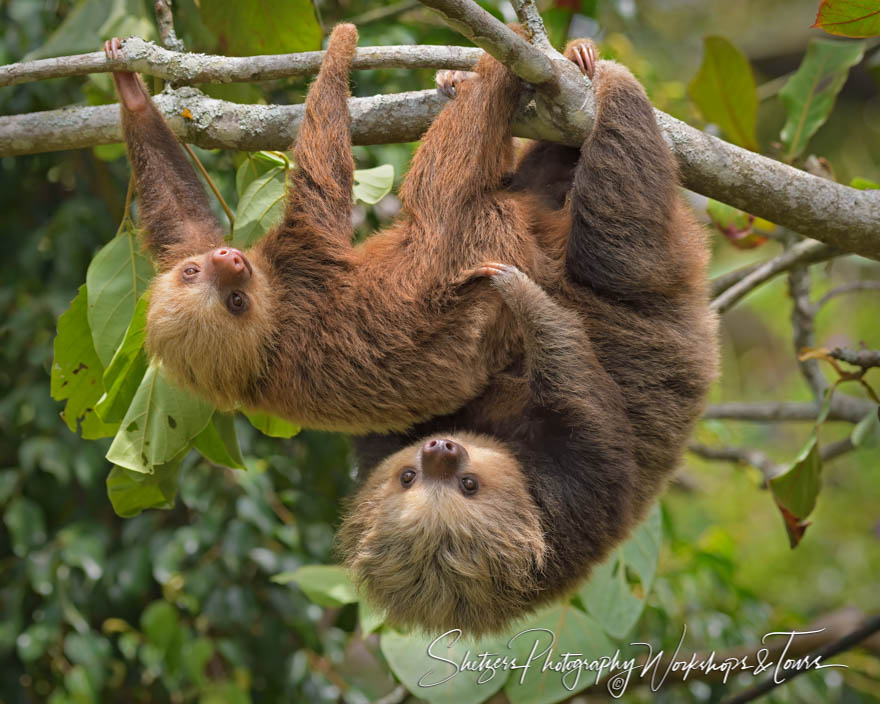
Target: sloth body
column 362, row 338
column 473, row 519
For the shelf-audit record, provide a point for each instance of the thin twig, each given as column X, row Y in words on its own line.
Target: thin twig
column 843, row 408
column 165, row 21
column 383, row 14
column 868, row 628
column 848, row 288
column 211, row 184
column 530, row 18
column 189, row 68
column 722, row 282
column 740, row 455
column 803, row 329
column 864, row 358
column 806, row 252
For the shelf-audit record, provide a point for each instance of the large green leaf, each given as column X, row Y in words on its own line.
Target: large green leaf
column 609, row 595
column 161, row 422
column 255, row 165
column 77, row 372
column 219, row 443
column 724, row 90
column 265, row 27
column 117, row 277
column 428, row 666
column 128, row 366
column 372, row 185
column 260, row 207
column 326, row 585
column 809, row 95
column 132, row 492
column 849, row 18
column 576, row 634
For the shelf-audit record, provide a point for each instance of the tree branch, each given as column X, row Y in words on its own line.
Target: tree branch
column 165, row 22
column 563, row 111
column 806, row 252
column 848, row 288
column 843, row 408
column 863, row 358
column 803, row 330
column 185, row 68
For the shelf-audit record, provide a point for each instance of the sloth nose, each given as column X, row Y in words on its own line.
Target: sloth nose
column 442, row 458
column 230, row 265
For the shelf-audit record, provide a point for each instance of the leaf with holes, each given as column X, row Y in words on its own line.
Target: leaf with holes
column 849, row 18
column 117, row 277
column 132, row 492
column 219, row 443
column 260, row 207
column 77, row 372
column 372, row 185
column 724, row 90
column 160, row 423
column 617, row 589
column 128, row 366
column 809, row 95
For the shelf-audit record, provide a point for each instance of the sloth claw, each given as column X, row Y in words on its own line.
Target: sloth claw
column 448, row 81
column 583, row 53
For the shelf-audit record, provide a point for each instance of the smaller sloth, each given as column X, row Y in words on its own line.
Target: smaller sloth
column 473, row 519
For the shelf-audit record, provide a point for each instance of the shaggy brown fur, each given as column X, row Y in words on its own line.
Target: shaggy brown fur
column 366, row 338
column 620, row 349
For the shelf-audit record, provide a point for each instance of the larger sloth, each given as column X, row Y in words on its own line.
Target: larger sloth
column 471, row 520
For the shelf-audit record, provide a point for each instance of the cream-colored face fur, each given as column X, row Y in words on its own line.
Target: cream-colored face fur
column 436, row 558
column 206, row 348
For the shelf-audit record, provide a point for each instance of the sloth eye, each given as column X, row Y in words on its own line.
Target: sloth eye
column 190, row 273
column 236, row 302
column 469, row 485
column 407, row 477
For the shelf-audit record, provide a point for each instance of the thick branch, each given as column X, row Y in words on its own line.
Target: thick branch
column 860, row 358
column 185, row 69
column 843, row 408
column 807, row 252
column 840, row 216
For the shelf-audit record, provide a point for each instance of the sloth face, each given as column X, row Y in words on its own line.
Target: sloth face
column 208, row 320
column 444, row 534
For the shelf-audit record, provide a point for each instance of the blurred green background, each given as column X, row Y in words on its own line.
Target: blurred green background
column 177, row 606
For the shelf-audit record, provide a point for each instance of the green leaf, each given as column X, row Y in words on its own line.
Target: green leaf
column 132, row 492
column 117, row 277
column 867, row 431
column 265, row 27
column 127, row 368
column 609, row 596
column 575, row 633
column 431, row 679
column 260, row 207
column 35, row 640
column 370, row 618
column 255, row 165
column 160, row 423
column 796, row 490
column 270, row 425
column 372, row 185
column 724, row 90
column 77, row 372
column 160, row 624
column 849, row 18
column 864, row 184
column 26, row 523
column 196, row 655
column 326, row 585
column 219, row 443
column 76, row 34
column 809, row 95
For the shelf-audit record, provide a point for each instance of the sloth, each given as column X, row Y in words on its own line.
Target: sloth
column 473, row 519
column 373, row 337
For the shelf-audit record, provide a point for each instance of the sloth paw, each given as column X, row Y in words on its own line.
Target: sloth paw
column 493, row 269
column 583, row 53
column 112, row 48
column 448, row 81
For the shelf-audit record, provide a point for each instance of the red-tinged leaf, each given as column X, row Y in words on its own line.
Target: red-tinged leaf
column 794, row 526
column 735, row 225
column 849, row 18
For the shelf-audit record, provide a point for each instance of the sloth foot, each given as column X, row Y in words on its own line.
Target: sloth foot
column 583, row 53
column 448, row 81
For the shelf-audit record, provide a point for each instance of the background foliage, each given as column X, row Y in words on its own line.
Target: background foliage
column 208, row 601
